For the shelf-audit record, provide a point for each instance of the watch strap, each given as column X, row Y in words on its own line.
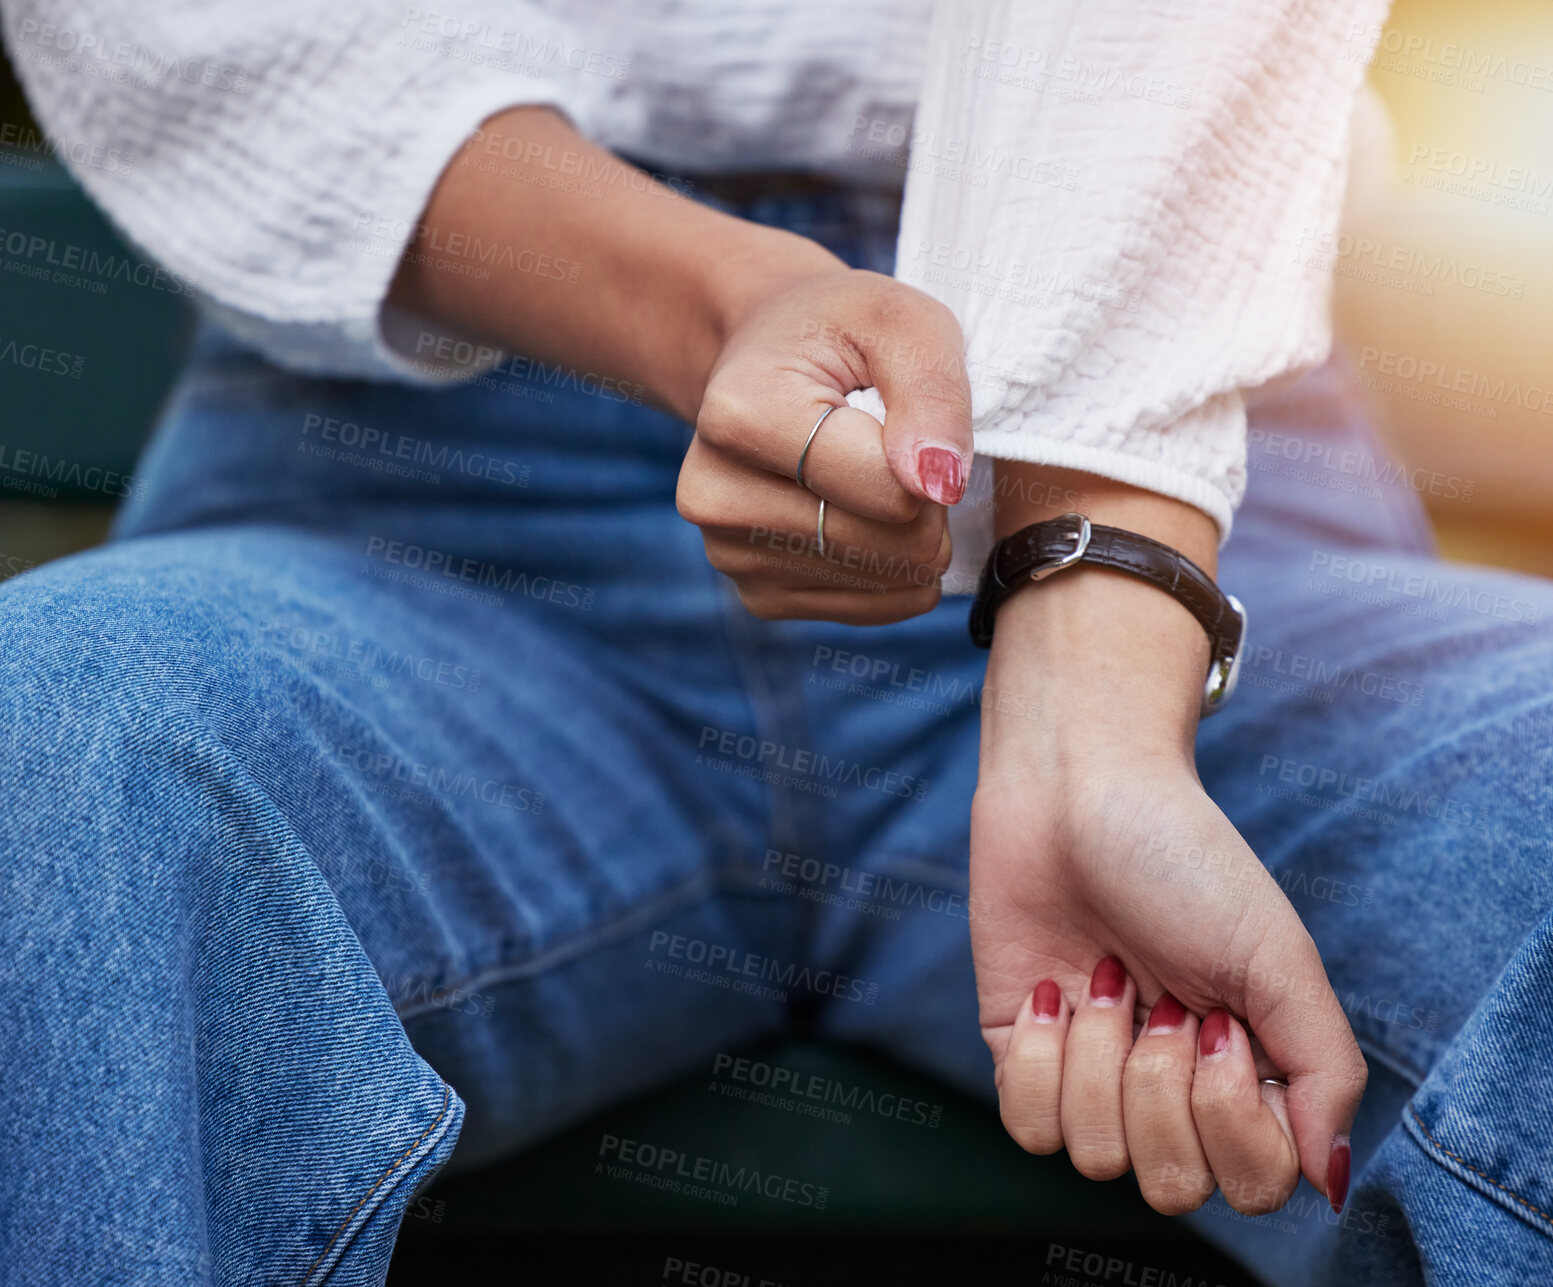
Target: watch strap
column 1042, row 549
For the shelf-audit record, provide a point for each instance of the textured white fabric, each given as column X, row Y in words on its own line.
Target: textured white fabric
column 1117, row 192
column 1109, row 193
column 281, row 151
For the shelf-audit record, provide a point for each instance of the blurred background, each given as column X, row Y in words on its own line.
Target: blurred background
column 1443, row 294
column 1447, row 259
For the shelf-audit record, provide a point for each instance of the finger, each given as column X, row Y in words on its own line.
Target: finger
column 1249, row 1146
column 772, row 602
column 762, row 520
column 1030, row 1076
column 1167, row 1157
column 790, row 561
column 1099, row 1040
column 846, row 462
column 1292, row 1009
column 920, row 373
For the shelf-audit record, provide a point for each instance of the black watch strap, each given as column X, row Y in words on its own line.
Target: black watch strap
column 1036, row 552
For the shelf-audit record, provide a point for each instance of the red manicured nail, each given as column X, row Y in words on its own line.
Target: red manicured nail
column 1168, row 1014
column 1109, row 980
column 1214, row 1037
column 942, row 474
column 1047, row 1002
column 1338, row 1166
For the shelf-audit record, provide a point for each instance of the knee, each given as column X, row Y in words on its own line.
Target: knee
column 104, row 717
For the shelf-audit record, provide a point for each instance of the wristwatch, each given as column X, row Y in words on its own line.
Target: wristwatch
column 1036, row 552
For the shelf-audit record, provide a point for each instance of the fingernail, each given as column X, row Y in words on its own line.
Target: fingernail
column 1108, row 982
column 1214, row 1037
column 1047, row 1002
column 941, row 473
column 1338, row 1166
column 1167, row 1015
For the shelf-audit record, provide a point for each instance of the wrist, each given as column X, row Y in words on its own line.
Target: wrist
column 754, row 263
column 1114, row 666
column 748, row 265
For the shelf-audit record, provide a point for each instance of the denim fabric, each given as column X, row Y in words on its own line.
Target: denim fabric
column 401, row 776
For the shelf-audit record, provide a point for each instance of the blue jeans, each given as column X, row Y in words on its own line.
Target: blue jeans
column 401, row 775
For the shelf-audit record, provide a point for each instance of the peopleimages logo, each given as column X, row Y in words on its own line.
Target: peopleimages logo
column 1334, row 676
column 1370, row 574
column 791, row 1084
column 121, row 60
column 369, row 656
column 417, row 451
column 871, row 891
column 724, row 964
column 23, row 471
column 434, row 566
column 96, row 156
column 439, row 782
column 1337, row 784
column 1432, row 265
column 492, row 361
column 1453, row 56
column 809, row 765
column 48, row 253
column 685, row 1168
column 1097, row 1269
column 1364, row 466
column 523, row 47
column 977, row 159
column 1458, row 380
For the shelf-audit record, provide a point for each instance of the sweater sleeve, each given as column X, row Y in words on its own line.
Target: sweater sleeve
column 1111, row 195
column 277, row 156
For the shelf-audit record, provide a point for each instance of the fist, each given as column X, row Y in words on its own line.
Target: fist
column 792, row 360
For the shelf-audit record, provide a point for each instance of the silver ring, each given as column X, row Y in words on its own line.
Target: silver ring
column 804, row 455
column 819, row 532
column 1274, row 1081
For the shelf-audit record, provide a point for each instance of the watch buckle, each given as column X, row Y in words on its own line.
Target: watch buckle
column 1224, row 674
column 1081, row 536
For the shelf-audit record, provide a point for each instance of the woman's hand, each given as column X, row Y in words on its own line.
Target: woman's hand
column 797, row 352
column 1138, row 970
column 750, row 332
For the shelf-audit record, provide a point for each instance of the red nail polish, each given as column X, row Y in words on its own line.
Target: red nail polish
column 1214, row 1037
column 1168, row 1013
column 942, row 474
column 1338, row 1166
column 1047, row 1001
column 1109, row 980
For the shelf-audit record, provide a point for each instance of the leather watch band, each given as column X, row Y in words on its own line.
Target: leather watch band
column 1036, row 552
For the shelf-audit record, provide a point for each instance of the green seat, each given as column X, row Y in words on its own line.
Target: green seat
column 902, row 1159
column 879, row 1171
column 113, row 329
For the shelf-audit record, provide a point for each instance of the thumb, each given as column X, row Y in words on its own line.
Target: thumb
column 1304, row 1030
column 927, row 435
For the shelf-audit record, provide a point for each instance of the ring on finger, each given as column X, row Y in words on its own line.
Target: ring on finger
column 809, row 442
column 819, row 532
column 1274, row 1081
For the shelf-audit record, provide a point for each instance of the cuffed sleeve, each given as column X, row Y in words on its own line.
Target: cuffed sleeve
column 1111, row 196
column 277, row 156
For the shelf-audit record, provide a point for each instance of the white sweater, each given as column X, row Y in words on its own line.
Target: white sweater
column 1109, row 193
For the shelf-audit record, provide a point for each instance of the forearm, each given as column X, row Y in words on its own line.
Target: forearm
column 1114, row 665
column 640, row 283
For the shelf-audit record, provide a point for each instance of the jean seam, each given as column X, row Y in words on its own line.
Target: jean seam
column 1483, row 1175
column 686, row 894
column 378, row 1183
